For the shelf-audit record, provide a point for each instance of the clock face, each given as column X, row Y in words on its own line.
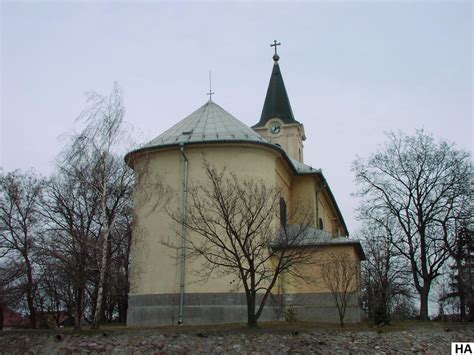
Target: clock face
column 275, row 129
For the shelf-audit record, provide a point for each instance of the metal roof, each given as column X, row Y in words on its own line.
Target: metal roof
column 314, row 237
column 212, row 124
column 302, row 168
column 209, row 123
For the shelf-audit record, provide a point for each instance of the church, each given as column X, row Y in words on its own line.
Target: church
column 164, row 288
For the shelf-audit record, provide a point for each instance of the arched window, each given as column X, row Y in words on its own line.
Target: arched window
column 282, row 211
column 321, row 225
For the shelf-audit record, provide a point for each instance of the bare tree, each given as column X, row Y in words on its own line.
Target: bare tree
column 419, row 185
column 69, row 244
column 385, row 274
column 11, row 287
column 237, row 232
column 340, row 273
column 448, row 301
column 462, row 253
column 87, row 206
column 102, row 182
column 53, row 288
column 73, row 244
column 19, row 229
column 461, row 272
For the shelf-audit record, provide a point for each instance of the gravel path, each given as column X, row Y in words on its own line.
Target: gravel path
column 423, row 341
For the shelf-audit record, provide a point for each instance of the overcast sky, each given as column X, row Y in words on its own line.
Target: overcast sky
column 353, row 70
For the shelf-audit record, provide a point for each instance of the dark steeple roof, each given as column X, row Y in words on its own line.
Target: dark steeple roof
column 276, row 103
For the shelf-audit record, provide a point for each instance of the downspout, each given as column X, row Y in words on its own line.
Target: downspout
column 183, row 235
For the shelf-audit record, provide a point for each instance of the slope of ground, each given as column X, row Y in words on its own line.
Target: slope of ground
column 413, row 337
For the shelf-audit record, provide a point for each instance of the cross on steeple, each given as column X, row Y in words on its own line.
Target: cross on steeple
column 275, row 44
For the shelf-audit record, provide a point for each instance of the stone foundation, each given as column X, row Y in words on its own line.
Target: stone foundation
column 215, row 308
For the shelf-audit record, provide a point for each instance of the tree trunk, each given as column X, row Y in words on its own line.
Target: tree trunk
column 32, row 309
column 424, row 302
column 123, row 307
column 251, row 318
column 77, row 318
column 341, row 322
column 100, row 292
column 107, row 224
column 107, row 303
column 341, row 315
column 78, row 307
column 470, row 317
column 104, row 312
column 462, row 306
column 30, row 294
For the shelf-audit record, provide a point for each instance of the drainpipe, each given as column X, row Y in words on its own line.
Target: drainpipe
column 183, row 235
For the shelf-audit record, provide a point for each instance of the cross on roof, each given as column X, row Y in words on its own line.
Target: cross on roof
column 210, row 93
column 275, row 44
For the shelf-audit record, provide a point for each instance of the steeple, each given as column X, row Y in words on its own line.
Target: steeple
column 277, row 104
column 277, row 123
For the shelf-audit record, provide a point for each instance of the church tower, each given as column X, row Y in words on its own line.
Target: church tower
column 277, row 123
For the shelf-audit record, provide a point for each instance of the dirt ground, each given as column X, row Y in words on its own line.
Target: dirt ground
column 269, row 338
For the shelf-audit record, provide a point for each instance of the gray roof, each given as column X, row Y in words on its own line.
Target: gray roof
column 302, row 168
column 308, row 236
column 209, row 123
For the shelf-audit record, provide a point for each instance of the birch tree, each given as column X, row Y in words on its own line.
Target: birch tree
column 86, row 202
column 93, row 151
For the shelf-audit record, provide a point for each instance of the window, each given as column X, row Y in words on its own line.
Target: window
column 282, row 211
column 321, row 225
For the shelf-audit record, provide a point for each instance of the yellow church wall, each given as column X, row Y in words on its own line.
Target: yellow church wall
column 155, row 267
column 324, row 212
column 283, row 177
column 244, row 161
column 305, row 192
column 152, row 223
column 327, row 213
column 303, row 199
column 312, row 282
